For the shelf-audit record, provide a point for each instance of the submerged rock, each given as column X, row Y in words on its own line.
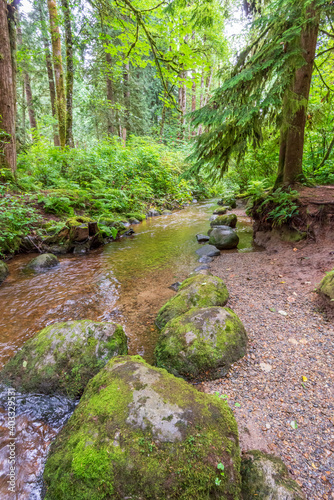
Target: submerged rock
column 203, row 342
column 42, row 262
column 326, row 287
column 153, row 213
column 223, row 238
column 208, row 250
column 225, row 220
column 140, row 433
column 63, row 357
column 202, row 238
column 195, row 291
column 266, row 477
column 221, row 211
column 4, row 271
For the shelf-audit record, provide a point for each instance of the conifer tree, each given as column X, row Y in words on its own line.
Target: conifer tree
column 269, row 84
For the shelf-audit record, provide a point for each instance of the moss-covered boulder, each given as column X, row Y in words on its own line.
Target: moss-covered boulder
column 197, row 291
column 43, row 262
column 326, row 287
column 4, row 271
column 140, row 433
column 223, row 238
column 221, row 211
column 265, row 477
column 225, row 220
column 63, row 357
column 202, row 343
column 230, row 201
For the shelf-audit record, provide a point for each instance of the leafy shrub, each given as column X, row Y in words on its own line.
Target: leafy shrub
column 16, row 221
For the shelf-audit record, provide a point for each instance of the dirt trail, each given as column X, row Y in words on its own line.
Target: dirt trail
column 284, row 386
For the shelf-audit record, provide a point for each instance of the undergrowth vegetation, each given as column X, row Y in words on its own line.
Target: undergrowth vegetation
column 107, row 181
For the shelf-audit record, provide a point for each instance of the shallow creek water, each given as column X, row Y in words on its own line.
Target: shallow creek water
column 126, row 281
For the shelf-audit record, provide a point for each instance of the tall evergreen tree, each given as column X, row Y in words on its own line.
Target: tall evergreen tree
column 270, row 83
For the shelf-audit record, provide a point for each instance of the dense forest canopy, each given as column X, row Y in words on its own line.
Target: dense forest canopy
column 90, row 88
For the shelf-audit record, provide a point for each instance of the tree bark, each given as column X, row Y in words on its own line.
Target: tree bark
column 193, row 100
column 7, row 92
column 27, row 86
column 58, row 71
column 126, row 79
column 201, row 101
column 293, row 168
column 208, row 86
column 110, row 96
column 48, row 62
column 69, row 73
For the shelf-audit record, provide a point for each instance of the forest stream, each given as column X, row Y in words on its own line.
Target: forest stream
column 126, row 281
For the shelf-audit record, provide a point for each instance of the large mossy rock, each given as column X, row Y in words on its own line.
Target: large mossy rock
column 265, row 477
column 63, row 357
column 43, row 262
column 140, row 433
column 197, row 291
column 223, row 238
column 326, row 287
column 202, row 343
column 4, row 271
column 225, row 220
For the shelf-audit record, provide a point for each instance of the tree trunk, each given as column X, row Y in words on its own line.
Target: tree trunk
column 208, row 86
column 48, row 62
column 69, row 73
column 7, row 92
column 193, row 100
column 293, row 169
column 182, row 103
column 58, row 71
column 23, row 112
column 201, row 101
column 27, row 86
column 126, row 77
column 110, row 96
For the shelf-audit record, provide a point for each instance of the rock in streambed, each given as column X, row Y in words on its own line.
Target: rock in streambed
column 63, row 357
column 223, row 238
column 43, row 262
column 202, row 343
column 4, row 271
column 225, row 220
column 197, row 291
column 140, row 433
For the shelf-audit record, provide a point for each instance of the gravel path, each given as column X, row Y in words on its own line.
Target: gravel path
column 282, row 391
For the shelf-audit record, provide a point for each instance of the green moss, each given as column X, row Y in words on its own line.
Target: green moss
column 136, row 215
column 64, row 356
column 77, row 221
column 203, row 342
column 225, row 220
column 326, row 286
column 266, row 477
column 4, row 271
column 107, row 451
column 197, row 291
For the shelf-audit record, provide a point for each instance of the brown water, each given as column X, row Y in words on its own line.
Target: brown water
column 125, row 281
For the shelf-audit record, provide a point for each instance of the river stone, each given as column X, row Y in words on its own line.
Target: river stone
column 224, row 238
column 326, row 286
column 208, row 250
column 153, row 213
column 196, row 291
column 231, row 202
column 44, row 261
column 202, row 343
column 225, row 220
column 220, row 211
column 140, row 433
column 62, row 357
column 202, row 238
column 266, row 477
column 4, row 271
